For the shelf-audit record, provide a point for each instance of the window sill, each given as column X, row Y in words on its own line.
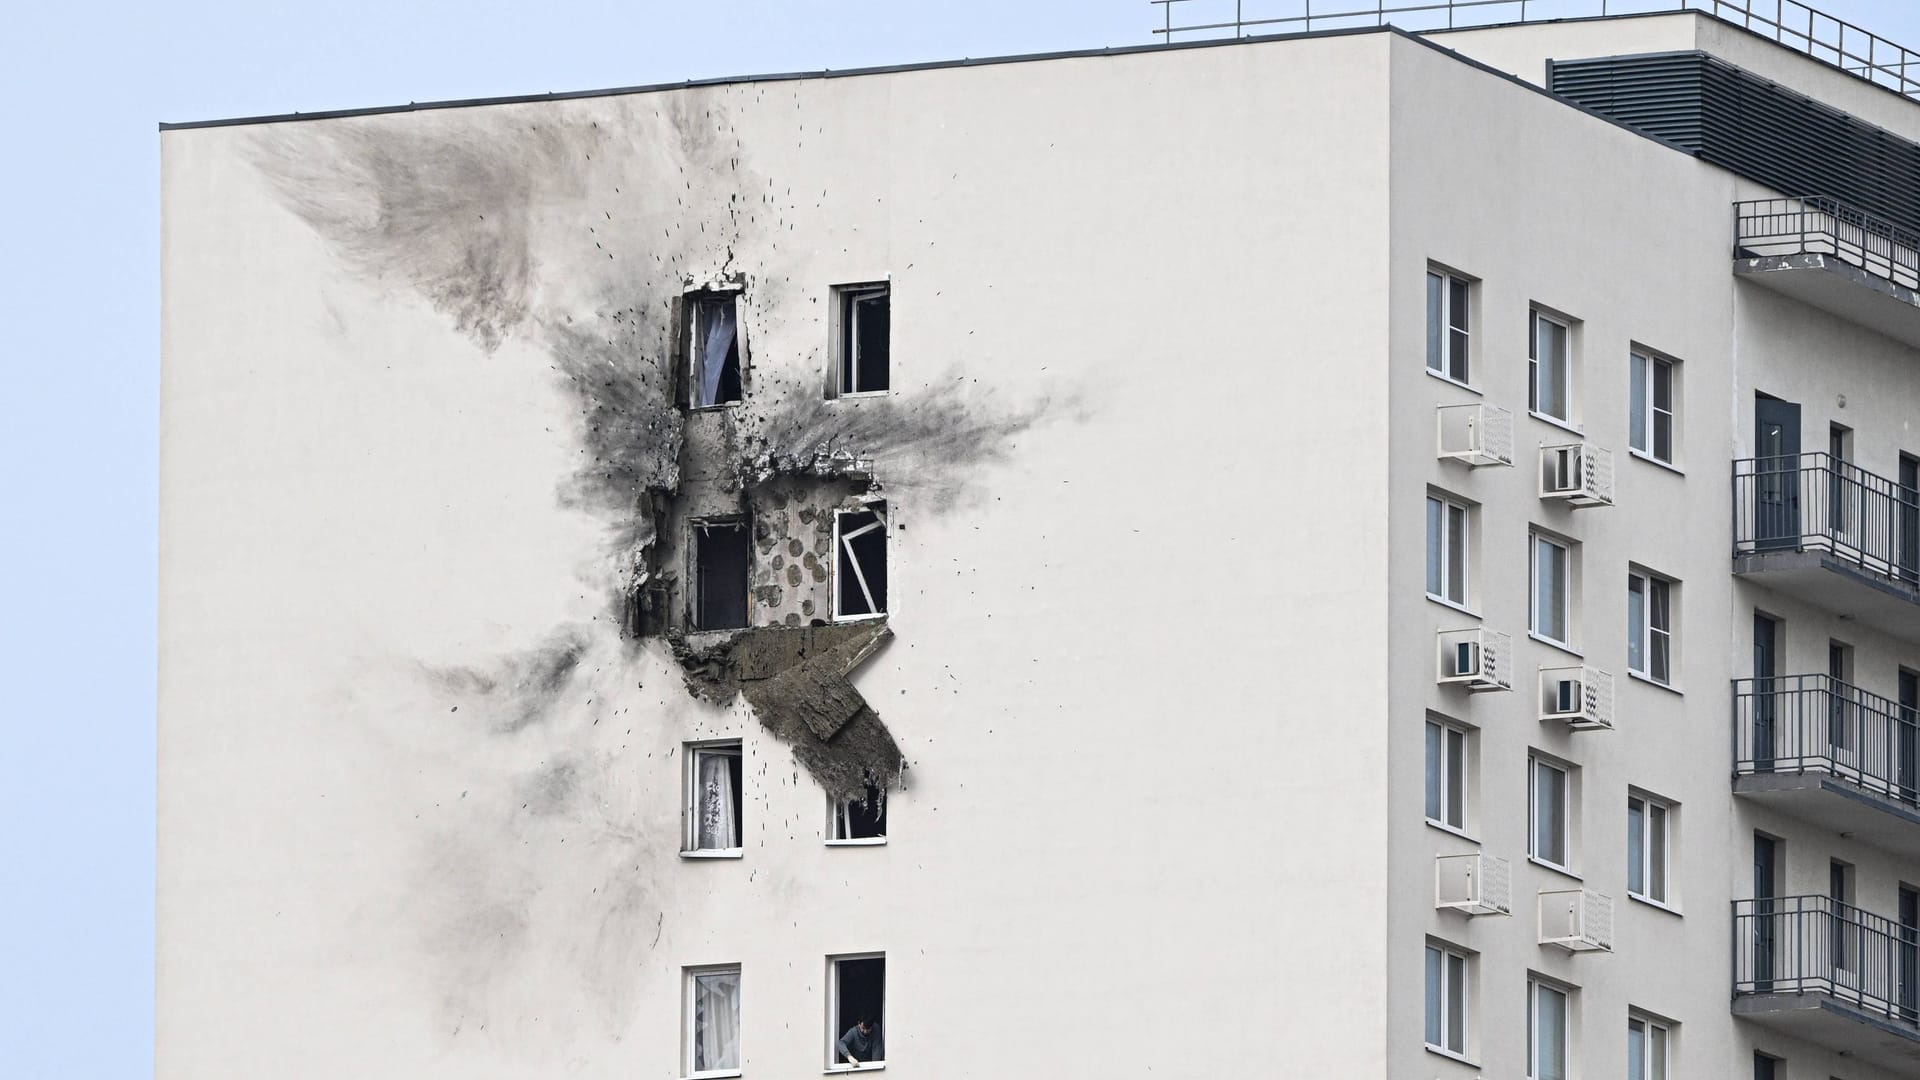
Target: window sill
column 721, row 1075
column 1451, row 1056
column 859, row 618
column 1451, row 381
column 1655, row 904
column 861, row 394
column 1446, row 603
column 866, row 1066
column 1560, row 645
column 1556, row 868
column 862, row 841
column 1555, row 421
column 715, row 408
column 1450, row 830
column 714, row 853
column 1653, row 682
column 1654, row 461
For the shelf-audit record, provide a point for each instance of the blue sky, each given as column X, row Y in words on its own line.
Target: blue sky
column 83, row 87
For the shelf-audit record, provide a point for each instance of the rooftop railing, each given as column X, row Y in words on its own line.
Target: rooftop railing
column 1826, row 38
column 1815, row 225
column 1815, row 944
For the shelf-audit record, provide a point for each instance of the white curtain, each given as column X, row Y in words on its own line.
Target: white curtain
column 716, row 340
column 716, row 1021
column 718, row 826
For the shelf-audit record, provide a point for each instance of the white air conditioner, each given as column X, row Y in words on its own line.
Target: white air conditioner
column 1577, row 920
column 1476, row 658
column 1580, row 697
column 1477, row 884
column 1478, row 434
column 1580, row 474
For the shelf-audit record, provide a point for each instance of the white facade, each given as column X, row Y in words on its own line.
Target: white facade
column 1155, row 458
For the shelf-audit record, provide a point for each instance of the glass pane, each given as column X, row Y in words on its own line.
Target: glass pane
column 1663, row 436
column 1550, row 578
column 1456, row 779
column 1457, row 304
column 1636, row 624
column 1435, row 322
column 716, row 1021
column 1657, row 1053
column 1663, row 386
column 1660, row 611
column 1550, row 378
column 1636, row 1050
column 1660, row 644
column 1433, row 996
column 1457, row 1003
column 1550, row 814
column 1435, row 510
column 1457, row 554
column 1637, row 433
column 1550, row 1034
column 1636, row 847
column 1457, row 310
column 1657, row 852
column 1433, row 771
column 1457, row 356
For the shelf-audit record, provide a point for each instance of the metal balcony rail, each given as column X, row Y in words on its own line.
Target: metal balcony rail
column 1823, row 37
column 1819, row 724
column 1816, row 225
column 1815, row 944
column 1816, row 502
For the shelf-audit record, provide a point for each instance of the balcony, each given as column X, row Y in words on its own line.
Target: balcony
column 1830, row 753
column 1832, row 534
column 1813, row 968
column 1835, row 257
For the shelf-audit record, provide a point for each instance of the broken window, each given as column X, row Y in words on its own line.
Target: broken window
column 860, row 562
column 722, row 561
column 864, row 314
column 713, row 798
column 713, row 347
column 862, row 820
column 856, row 1007
column 713, row 1021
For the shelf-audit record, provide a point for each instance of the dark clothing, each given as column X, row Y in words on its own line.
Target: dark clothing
column 863, row 1047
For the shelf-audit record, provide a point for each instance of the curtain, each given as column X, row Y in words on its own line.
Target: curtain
column 716, row 341
column 718, row 826
column 716, row 1021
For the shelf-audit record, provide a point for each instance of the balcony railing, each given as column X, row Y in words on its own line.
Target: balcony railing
column 1817, row 945
column 1819, row 724
column 1821, row 226
column 1816, row 502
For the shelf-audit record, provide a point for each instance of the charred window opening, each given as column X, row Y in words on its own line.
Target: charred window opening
column 860, row 563
column 862, row 820
column 858, row 988
column 722, row 564
column 713, row 348
column 713, row 798
column 865, row 315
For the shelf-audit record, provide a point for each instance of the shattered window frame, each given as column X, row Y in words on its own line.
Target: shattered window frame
column 847, row 560
column 835, row 1028
column 697, row 531
column 695, row 754
column 841, row 822
column 847, row 368
column 695, row 304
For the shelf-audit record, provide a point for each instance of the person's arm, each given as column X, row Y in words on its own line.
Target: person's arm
column 846, row 1053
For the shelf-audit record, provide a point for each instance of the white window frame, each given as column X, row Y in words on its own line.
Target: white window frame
column 1536, row 987
column 838, row 825
column 1568, row 574
column 691, row 302
column 1648, row 817
column 1535, row 763
column 1655, row 1053
column 1534, row 361
column 694, row 754
column 1442, row 325
column 689, row 991
column 1455, row 745
column 1643, row 404
column 1442, row 559
column 1645, row 637
column 846, row 336
column 844, row 556
column 833, row 1014
column 1453, row 964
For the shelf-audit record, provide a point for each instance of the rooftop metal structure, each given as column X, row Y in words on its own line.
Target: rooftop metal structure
column 1826, row 38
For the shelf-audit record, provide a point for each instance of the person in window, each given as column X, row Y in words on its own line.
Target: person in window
column 862, row 1043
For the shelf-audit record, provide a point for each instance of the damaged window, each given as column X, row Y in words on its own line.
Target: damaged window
column 713, row 1021
column 722, row 561
column 856, row 1007
column 713, row 798
column 864, row 314
column 713, row 346
column 860, row 562
column 862, row 820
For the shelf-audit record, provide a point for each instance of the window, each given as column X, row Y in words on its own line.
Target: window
column 856, row 1011
column 860, row 562
column 1651, row 424
column 1550, row 368
column 1763, row 1066
column 860, row 821
column 1646, row 1049
column 1552, row 573
column 1447, row 1000
column 861, row 342
column 713, row 348
column 1547, row 1030
column 1448, row 540
column 1650, row 626
column 1840, row 478
column 1843, row 704
column 1448, row 303
column 713, row 1021
column 1446, row 775
column 722, row 561
column 1843, row 927
column 713, row 798
column 1649, row 843
column 1547, row 803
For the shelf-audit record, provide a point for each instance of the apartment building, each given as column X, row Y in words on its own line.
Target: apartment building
column 653, row 579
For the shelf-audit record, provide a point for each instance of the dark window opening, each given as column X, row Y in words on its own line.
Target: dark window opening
column 860, row 562
column 860, row 994
column 722, row 560
column 863, row 818
column 865, row 315
column 713, row 346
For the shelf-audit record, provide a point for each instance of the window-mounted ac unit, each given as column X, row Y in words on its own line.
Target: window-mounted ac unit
column 1580, row 697
column 1577, row 920
column 1478, row 434
column 1477, row 884
column 1476, row 658
column 1580, row 474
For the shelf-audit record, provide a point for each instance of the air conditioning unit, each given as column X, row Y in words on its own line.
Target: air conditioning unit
column 1577, row 920
column 1478, row 434
column 1477, row 884
column 1581, row 474
column 1580, row 697
column 1476, row 658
